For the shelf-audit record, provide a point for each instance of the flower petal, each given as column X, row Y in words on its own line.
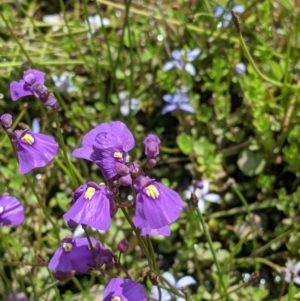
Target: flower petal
column 187, row 108
column 212, row 198
column 185, row 281
column 188, row 67
column 168, row 66
column 17, row 90
column 168, row 108
column 192, row 54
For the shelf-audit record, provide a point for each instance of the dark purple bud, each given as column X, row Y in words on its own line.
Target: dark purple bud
column 72, row 224
column 197, row 184
column 49, row 101
column 151, row 163
column 125, row 180
column 6, row 120
column 39, row 91
column 121, row 169
column 151, row 143
column 123, row 246
column 63, row 276
column 135, row 169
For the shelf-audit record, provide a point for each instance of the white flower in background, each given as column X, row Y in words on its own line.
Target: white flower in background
column 127, row 104
column 203, row 195
column 64, row 83
column 291, row 272
column 96, row 22
column 165, row 295
column 35, row 126
column 56, row 21
column 79, row 231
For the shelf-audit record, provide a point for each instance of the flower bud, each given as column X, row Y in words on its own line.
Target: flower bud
column 151, row 163
column 123, row 246
column 63, row 276
column 151, row 143
column 197, row 184
column 6, row 120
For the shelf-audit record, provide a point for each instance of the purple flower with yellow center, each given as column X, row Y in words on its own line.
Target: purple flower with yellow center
column 181, row 60
column 94, row 207
column 111, row 147
column 11, row 211
column 32, row 84
column 33, row 150
column 157, row 206
column 74, row 254
column 119, row 289
column 177, row 101
column 117, row 141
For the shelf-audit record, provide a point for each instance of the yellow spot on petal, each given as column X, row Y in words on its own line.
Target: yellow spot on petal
column 67, row 246
column 118, row 155
column 115, row 299
column 1, row 209
column 93, row 245
column 28, row 139
column 89, row 193
column 152, row 191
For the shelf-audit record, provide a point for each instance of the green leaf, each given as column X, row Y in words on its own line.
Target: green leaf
column 185, row 143
column 251, row 163
column 62, row 201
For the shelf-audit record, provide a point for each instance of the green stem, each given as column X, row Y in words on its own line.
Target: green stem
column 63, row 147
column 58, row 298
column 44, row 209
column 210, row 243
column 291, row 291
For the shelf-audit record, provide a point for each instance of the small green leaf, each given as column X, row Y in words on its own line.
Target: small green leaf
column 251, row 163
column 185, row 143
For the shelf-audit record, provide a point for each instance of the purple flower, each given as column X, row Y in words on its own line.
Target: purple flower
column 151, row 143
column 226, row 16
column 32, row 84
column 165, row 295
column 111, row 147
column 11, row 211
column 240, row 68
column 181, row 60
column 118, row 140
column 33, row 150
column 16, row 297
column 94, row 207
column 119, row 289
column 75, row 254
column 291, row 272
column 177, row 101
column 157, row 206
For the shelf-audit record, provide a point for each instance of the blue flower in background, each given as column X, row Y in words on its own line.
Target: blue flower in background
column 177, row 101
column 128, row 104
column 165, row 295
column 226, row 17
column 240, row 68
column 181, row 60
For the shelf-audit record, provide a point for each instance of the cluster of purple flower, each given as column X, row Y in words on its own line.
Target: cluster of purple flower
column 94, row 205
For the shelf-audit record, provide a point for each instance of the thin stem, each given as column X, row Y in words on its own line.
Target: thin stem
column 58, row 298
column 44, row 209
column 63, row 147
column 210, row 243
column 291, row 291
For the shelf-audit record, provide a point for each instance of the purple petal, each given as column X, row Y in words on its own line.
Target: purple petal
column 60, row 261
column 168, row 108
column 185, row 281
column 125, row 289
column 39, row 75
column 218, row 11
column 167, row 207
column 164, row 231
column 192, row 54
column 177, row 54
column 35, row 155
column 12, row 211
column 168, row 98
column 18, row 90
column 187, row 108
column 168, row 66
column 238, row 9
column 93, row 212
column 188, row 67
